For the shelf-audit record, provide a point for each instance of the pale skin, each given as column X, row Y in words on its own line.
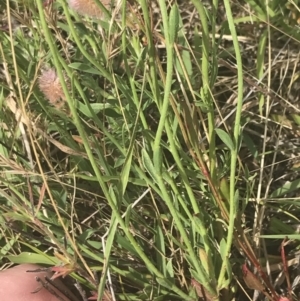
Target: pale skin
column 16, row 284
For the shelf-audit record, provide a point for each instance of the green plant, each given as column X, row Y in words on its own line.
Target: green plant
column 139, row 147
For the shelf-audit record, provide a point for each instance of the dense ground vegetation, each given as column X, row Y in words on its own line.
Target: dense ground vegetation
column 149, row 149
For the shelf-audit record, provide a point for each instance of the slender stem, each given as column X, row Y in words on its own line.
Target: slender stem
column 167, row 88
column 234, row 152
column 205, row 89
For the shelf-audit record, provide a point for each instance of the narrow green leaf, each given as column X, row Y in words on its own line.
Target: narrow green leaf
column 225, row 138
column 29, row 257
column 126, row 169
column 224, row 282
column 170, row 270
column 127, row 166
column 203, row 259
column 224, row 189
column 107, row 253
column 147, row 163
column 164, row 282
column 278, row 226
column 160, row 245
column 128, row 216
column 263, row 42
column 85, row 68
column 286, row 188
column 223, row 247
column 91, row 254
column 250, row 145
column 296, row 118
column 96, row 107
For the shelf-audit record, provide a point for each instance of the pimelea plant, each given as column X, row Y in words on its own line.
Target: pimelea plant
column 164, row 180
